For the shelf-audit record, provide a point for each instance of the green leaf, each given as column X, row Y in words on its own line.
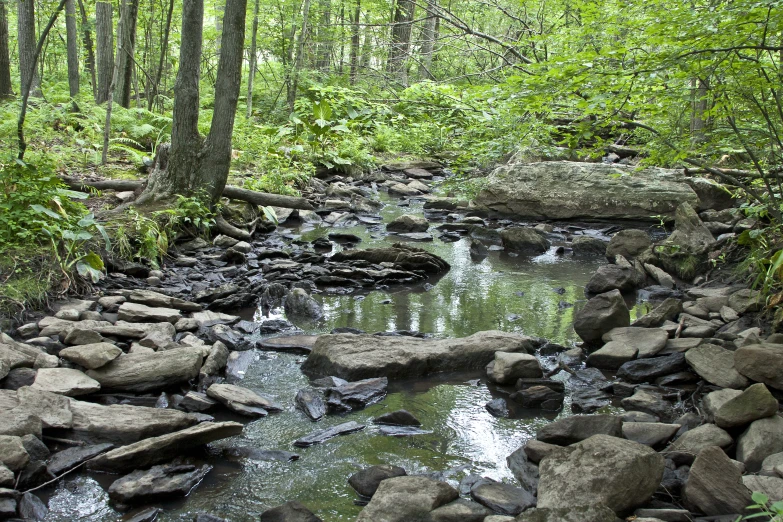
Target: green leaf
column 759, row 498
column 43, row 210
column 270, row 214
column 94, row 260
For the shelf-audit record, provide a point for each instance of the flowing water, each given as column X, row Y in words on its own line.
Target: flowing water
column 535, row 296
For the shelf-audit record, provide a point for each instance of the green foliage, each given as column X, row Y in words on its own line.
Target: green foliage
column 765, row 509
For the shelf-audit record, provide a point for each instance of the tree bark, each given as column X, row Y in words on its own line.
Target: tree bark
column 251, row 75
column 104, row 34
column 324, row 52
column 6, row 88
column 88, row 48
column 401, row 41
column 428, row 41
column 72, row 48
column 126, row 30
column 355, row 42
column 110, row 102
column 26, row 24
column 299, row 57
column 698, row 124
column 163, row 52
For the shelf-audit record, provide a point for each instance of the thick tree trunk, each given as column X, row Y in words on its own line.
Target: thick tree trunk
column 428, row 41
column 163, row 53
column 251, row 75
column 72, row 48
column 293, row 84
column 88, row 48
column 28, row 73
column 401, row 41
column 324, row 53
column 126, row 30
column 104, row 34
column 6, row 88
column 355, row 42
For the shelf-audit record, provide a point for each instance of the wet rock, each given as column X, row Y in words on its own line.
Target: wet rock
column 497, row 408
column 7, row 507
column 689, row 444
column 715, row 486
column 91, row 356
column 661, row 276
column 570, row 430
column 157, row 483
column 65, row 381
column 209, row 318
column 715, row 365
column 628, row 243
column 68, row 459
column 460, row 510
column 653, row 434
column 242, row 400
column 647, row 370
column 668, row 310
column 612, row 355
column 151, row 515
column 664, row 514
column 762, row 363
column 404, row 257
column 14, row 456
column 586, row 246
column 647, row 341
column 507, row 367
column 588, row 400
column 233, row 339
column 311, row 402
column 612, row 277
column 198, row 402
column 525, row 241
column 763, row 438
column 402, row 431
column 355, row 395
column 524, row 470
column 403, row 499
column 215, row 361
column 647, row 401
column 397, row 418
column 139, row 313
column 321, row 436
column 618, row 473
column 289, row 512
column 537, row 450
column 501, row 498
column 754, row 403
column 539, row 397
column 298, row 303
column 149, row 372
column 362, row 356
column 589, row 513
column 158, row 449
column 408, row 223
column 32, row 508
column 601, row 314
column 366, row 481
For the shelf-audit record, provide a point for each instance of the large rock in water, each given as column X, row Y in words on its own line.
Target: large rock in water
column 403, row 256
column 569, row 190
column 600, row 315
column 618, row 473
column 145, row 372
column 407, row 499
column 355, row 357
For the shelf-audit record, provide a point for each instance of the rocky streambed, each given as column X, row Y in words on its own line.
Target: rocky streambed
column 451, row 387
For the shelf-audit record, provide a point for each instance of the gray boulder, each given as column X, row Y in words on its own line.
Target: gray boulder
column 501, row 498
column 145, row 372
column 406, row 499
column 299, row 304
column 587, row 246
column 690, row 443
column 53, row 409
column 754, row 403
column 642, row 370
column 762, row 363
column 355, row 357
column 763, row 438
column 65, row 381
column 617, row 473
column 628, row 243
column 289, row 512
column 91, row 356
column 653, row 434
column 460, row 510
column 770, row 486
column 507, row 367
column 14, row 456
column 139, row 313
column 612, row 277
column 715, row 365
column 526, row 241
column 157, row 483
column 601, row 314
column 612, row 355
column 408, row 223
column 714, row 485
column 570, row 430
column 242, row 400
column 647, row 341
column 366, row 481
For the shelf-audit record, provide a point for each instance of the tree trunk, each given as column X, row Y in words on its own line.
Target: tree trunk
column 324, row 52
column 104, row 34
column 6, row 88
column 698, row 124
column 163, row 52
column 26, row 25
column 401, row 41
column 428, row 41
column 253, row 51
column 355, row 41
column 299, row 57
column 126, row 30
column 110, row 102
column 194, row 166
column 72, row 49
column 88, row 48
column 366, row 57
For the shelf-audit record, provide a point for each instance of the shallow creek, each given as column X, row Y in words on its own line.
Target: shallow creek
column 535, row 296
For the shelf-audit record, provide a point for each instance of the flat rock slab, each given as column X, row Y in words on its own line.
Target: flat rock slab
column 715, row 365
column 647, row 370
column 158, row 300
column 323, row 435
column 404, row 499
column 403, row 431
column 502, row 498
column 358, row 394
column 762, row 363
column 157, row 449
column 139, row 313
column 53, row 409
column 72, row 457
column 570, row 430
column 355, row 357
column 290, row 343
column 91, row 356
column 209, row 318
column 647, row 341
column 144, row 372
column 157, row 483
column 398, row 418
column 65, row 381
column 242, row 400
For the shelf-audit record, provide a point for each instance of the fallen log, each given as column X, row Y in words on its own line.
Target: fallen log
column 231, row 192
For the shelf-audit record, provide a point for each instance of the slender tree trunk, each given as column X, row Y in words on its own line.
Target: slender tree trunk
column 698, row 123
column 163, row 53
column 366, row 58
column 28, row 72
column 428, row 41
column 72, row 48
column 299, row 57
column 355, row 41
column 253, row 51
column 104, row 34
column 324, row 52
column 126, row 30
column 110, row 101
column 88, row 48
column 401, row 41
column 6, row 88
column 192, row 166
